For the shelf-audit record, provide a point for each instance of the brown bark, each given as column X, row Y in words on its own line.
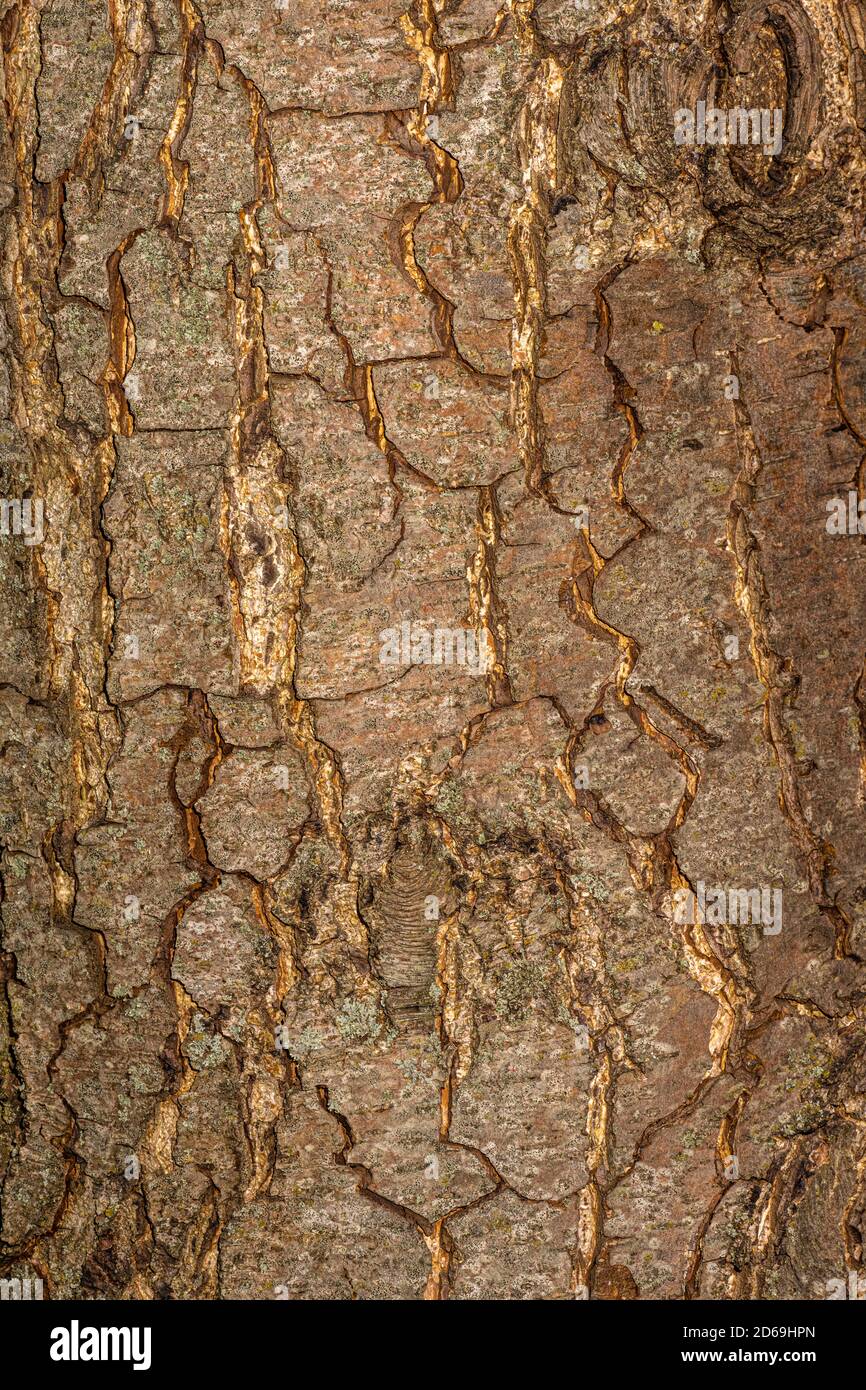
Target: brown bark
column 340, row 339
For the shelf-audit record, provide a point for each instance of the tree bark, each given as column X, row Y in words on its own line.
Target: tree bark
column 432, row 692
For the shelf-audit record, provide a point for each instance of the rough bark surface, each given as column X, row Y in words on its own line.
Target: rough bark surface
column 329, row 976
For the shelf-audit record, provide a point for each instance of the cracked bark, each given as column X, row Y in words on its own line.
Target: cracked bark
column 325, row 979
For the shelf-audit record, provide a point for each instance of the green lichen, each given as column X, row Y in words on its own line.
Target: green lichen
column 449, row 803
column 203, row 1049
column 808, row 1118
column 306, row 1043
column 521, row 983
column 568, row 1019
column 593, row 884
column 358, row 1020
column 410, row 1071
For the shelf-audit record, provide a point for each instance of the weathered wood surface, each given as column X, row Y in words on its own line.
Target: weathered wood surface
column 339, row 337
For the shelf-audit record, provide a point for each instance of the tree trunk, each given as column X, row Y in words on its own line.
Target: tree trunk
column 432, row 691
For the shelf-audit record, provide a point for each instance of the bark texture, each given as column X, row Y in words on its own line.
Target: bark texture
column 331, row 971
